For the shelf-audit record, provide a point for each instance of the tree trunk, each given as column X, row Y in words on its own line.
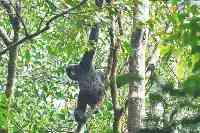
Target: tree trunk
column 137, row 89
column 10, row 81
column 136, row 108
column 15, row 22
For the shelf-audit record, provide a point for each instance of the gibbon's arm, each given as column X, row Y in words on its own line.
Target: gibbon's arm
column 94, row 33
column 86, row 61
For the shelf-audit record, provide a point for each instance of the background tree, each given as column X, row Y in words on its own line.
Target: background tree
column 136, row 110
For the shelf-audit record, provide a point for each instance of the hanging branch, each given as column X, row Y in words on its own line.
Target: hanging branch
column 45, row 28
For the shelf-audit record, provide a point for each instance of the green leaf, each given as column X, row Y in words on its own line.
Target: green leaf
column 124, row 79
column 191, row 85
column 174, row 1
column 61, row 116
column 127, row 47
column 51, row 5
column 2, row 111
column 155, row 98
column 195, row 49
column 27, row 56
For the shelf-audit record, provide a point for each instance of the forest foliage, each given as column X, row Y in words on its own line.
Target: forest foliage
column 44, row 97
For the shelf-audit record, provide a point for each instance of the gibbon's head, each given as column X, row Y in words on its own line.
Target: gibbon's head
column 73, row 71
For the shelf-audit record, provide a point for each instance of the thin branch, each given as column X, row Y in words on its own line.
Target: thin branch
column 45, row 28
column 4, row 36
column 153, row 51
column 119, row 21
column 41, row 21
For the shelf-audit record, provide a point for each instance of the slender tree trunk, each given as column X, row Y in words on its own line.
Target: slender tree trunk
column 114, row 31
column 113, row 71
column 14, row 14
column 136, row 108
column 10, row 82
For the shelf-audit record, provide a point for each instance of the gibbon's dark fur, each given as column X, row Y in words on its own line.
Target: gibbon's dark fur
column 100, row 3
column 90, row 84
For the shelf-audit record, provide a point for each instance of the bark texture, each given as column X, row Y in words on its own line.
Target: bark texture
column 137, row 89
column 136, row 98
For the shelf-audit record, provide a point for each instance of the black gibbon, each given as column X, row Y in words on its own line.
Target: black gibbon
column 90, row 81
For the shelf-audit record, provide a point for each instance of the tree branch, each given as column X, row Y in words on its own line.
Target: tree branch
column 4, row 36
column 45, row 28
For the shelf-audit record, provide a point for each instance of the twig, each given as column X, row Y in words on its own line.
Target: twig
column 153, row 52
column 41, row 21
